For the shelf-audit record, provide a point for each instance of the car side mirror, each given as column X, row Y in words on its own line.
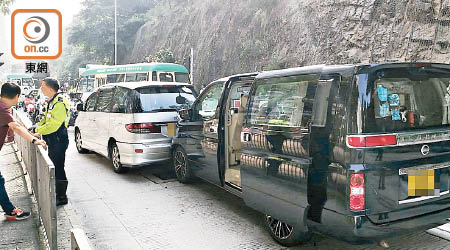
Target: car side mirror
column 181, row 99
column 80, row 107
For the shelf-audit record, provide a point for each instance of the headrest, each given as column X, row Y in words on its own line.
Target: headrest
column 244, row 99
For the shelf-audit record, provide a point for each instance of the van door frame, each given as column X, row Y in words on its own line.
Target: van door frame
column 222, row 151
column 200, row 168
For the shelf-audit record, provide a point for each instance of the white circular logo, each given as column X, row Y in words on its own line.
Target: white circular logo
column 425, row 149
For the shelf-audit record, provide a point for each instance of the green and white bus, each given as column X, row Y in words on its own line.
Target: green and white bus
column 95, row 77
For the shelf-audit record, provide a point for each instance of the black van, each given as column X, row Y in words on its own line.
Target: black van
column 358, row 152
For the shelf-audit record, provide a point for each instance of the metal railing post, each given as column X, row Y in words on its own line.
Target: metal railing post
column 42, row 175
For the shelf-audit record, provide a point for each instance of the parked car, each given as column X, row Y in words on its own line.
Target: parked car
column 357, row 152
column 122, row 121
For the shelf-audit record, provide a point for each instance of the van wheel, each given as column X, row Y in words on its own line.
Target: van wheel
column 79, row 142
column 181, row 165
column 285, row 234
column 115, row 159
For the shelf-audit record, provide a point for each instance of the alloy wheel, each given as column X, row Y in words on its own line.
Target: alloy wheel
column 116, row 157
column 180, row 163
column 78, row 141
column 280, row 229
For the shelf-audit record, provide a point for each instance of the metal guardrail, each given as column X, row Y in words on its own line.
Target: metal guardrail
column 42, row 175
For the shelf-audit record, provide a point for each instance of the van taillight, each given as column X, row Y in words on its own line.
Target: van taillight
column 364, row 141
column 357, row 191
column 142, row 128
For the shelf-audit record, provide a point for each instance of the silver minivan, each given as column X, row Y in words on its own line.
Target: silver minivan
column 123, row 121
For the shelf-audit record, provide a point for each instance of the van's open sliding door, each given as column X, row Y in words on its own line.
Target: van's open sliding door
column 276, row 137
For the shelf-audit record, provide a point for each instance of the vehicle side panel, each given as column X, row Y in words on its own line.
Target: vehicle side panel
column 275, row 158
column 101, row 127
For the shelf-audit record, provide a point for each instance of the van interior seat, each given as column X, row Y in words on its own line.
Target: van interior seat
column 235, row 132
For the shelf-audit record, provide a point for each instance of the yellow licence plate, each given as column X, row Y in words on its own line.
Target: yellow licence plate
column 421, row 182
column 171, row 127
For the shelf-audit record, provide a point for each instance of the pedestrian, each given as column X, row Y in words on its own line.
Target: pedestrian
column 53, row 128
column 9, row 96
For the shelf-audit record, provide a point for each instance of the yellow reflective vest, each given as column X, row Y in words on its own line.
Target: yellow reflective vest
column 57, row 112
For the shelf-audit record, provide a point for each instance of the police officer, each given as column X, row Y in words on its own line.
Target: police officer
column 53, row 128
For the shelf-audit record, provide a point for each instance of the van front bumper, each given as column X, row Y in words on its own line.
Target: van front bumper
column 155, row 152
column 359, row 229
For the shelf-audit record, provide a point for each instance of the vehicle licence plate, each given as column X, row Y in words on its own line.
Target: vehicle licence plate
column 169, row 130
column 423, row 181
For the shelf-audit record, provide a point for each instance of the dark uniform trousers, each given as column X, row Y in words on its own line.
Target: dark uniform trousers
column 57, row 145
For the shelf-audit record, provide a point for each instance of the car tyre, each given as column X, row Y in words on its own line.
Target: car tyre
column 181, row 166
column 115, row 159
column 285, row 234
column 79, row 142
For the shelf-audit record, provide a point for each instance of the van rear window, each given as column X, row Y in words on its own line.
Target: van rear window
column 400, row 100
column 163, row 98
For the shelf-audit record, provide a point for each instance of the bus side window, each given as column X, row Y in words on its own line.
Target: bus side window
column 90, row 84
column 120, row 77
column 154, row 76
column 131, row 77
column 165, row 77
column 182, row 77
column 111, row 78
column 141, row 77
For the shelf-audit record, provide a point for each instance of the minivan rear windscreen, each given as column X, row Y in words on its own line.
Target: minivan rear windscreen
column 401, row 99
column 163, row 98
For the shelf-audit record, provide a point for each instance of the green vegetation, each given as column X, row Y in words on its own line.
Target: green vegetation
column 147, row 28
column 276, row 62
column 91, row 35
column 163, row 55
column 4, row 6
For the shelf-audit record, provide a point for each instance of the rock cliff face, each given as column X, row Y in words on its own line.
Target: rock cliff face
column 236, row 36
